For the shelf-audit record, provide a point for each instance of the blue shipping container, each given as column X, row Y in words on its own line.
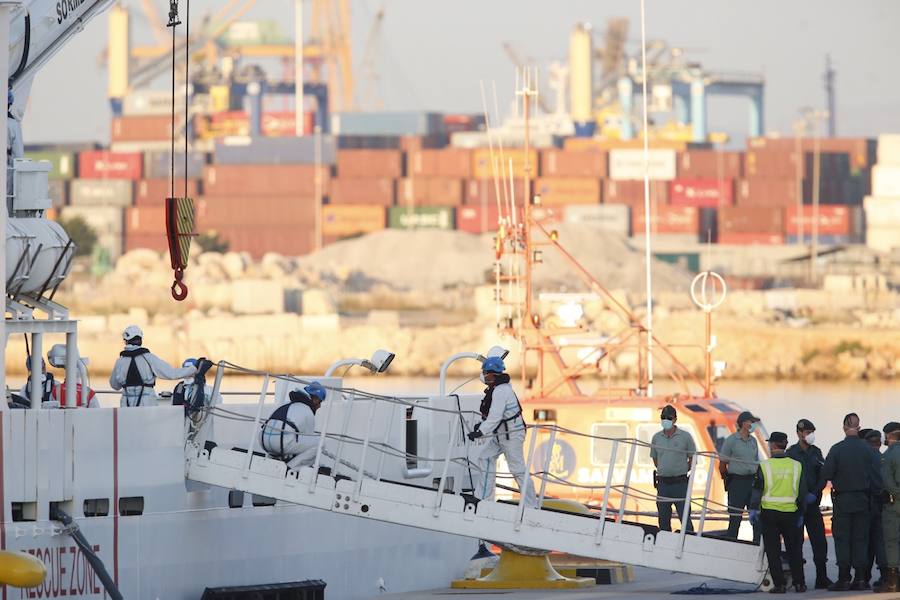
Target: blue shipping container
column 274, row 151
column 387, row 123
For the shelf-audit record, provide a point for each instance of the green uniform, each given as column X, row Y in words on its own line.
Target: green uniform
column 672, row 456
column 742, row 457
column 890, row 518
column 853, row 470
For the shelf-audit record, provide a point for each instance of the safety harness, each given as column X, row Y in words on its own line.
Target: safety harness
column 133, row 376
column 47, row 385
column 485, row 408
column 281, row 414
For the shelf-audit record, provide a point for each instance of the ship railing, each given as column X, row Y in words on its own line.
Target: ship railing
column 616, row 494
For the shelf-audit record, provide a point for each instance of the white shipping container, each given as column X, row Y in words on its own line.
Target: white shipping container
column 883, row 239
column 101, row 192
column 886, row 180
column 613, row 218
column 629, row 164
column 509, row 139
column 882, row 212
column 889, row 149
column 102, row 219
column 147, row 103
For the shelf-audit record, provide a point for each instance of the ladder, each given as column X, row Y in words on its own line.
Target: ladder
column 366, row 494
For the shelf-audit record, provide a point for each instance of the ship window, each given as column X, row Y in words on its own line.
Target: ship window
column 263, row 501
column 544, row 415
column 24, row 511
column 96, row 507
column 645, row 433
column 725, row 408
column 132, row 506
column 695, row 408
column 235, row 499
column 601, row 450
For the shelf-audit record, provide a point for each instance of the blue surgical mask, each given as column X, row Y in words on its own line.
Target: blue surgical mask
column 752, row 427
column 667, row 424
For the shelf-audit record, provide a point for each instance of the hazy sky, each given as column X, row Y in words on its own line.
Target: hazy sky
column 433, row 55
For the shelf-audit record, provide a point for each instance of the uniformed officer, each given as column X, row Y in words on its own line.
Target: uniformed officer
column 739, row 459
column 890, row 519
column 853, row 471
column 780, row 491
column 672, row 451
column 876, row 556
column 810, row 456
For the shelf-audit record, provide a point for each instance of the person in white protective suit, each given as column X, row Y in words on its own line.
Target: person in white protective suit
column 137, row 369
column 85, row 397
column 289, row 432
column 185, row 392
column 503, row 430
column 48, row 384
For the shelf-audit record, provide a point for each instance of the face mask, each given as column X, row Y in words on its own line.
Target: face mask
column 481, row 378
column 811, row 438
column 752, row 427
column 667, row 424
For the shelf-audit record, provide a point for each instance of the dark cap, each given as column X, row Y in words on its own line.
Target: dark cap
column 668, row 411
column 746, row 416
column 805, row 425
column 873, row 434
column 778, row 436
column 891, row 427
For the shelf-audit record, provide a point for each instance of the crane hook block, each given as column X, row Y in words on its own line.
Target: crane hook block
column 173, row 14
column 179, row 231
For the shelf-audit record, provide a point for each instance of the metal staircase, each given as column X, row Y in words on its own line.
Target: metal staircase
column 365, row 423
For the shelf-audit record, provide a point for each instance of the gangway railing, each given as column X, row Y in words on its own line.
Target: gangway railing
column 359, row 467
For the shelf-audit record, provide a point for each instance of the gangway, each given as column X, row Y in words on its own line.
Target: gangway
column 362, row 430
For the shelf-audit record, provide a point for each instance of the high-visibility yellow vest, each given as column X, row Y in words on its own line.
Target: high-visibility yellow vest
column 781, row 479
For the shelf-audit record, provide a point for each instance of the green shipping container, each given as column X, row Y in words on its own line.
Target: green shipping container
column 421, row 217
column 686, row 260
column 63, row 163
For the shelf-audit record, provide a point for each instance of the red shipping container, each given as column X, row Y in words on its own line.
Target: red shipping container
column 430, row 191
column 632, row 192
column 762, row 191
column 477, row 219
column 254, row 211
column 378, row 191
column 415, row 143
column 667, row 219
column 151, row 241
column 258, row 241
column 446, row 162
column 485, row 190
column 253, row 180
column 557, row 191
column 751, row 219
column 862, row 151
column 153, row 192
column 704, row 193
column 833, row 220
column 565, row 163
column 750, row 238
column 369, row 163
column 284, row 124
column 101, row 164
column 145, row 220
column 141, row 129
column 710, row 164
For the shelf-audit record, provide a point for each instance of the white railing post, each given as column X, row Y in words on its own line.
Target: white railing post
column 526, row 476
column 620, row 517
column 344, row 426
column 451, row 443
column 686, row 513
column 598, row 536
column 552, row 444
column 386, row 440
column 251, row 445
column 360, row 472
column 709, row 479
column 217, row 383
column 321, row 447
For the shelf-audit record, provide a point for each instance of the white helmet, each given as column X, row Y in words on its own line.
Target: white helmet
column 57, row 356
column 131, row 332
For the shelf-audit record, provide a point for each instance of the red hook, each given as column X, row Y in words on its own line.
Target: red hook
column 179, row 289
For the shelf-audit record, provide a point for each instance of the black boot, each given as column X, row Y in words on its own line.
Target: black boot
column 822, row 581
column 779, row 589
column 889, row 582
column 799, row 587
column 843, row 581
column 860, row 583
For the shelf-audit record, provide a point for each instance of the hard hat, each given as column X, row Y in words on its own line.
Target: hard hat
column 316, row 390
column 190, row 362
column 668, row 412
column 493, row 364
column 57, row 355
column 28, row 360
column 131, row 332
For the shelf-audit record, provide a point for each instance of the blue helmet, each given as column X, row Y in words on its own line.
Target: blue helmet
column 190, row 362
column 315, row 390
column 493, row 364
